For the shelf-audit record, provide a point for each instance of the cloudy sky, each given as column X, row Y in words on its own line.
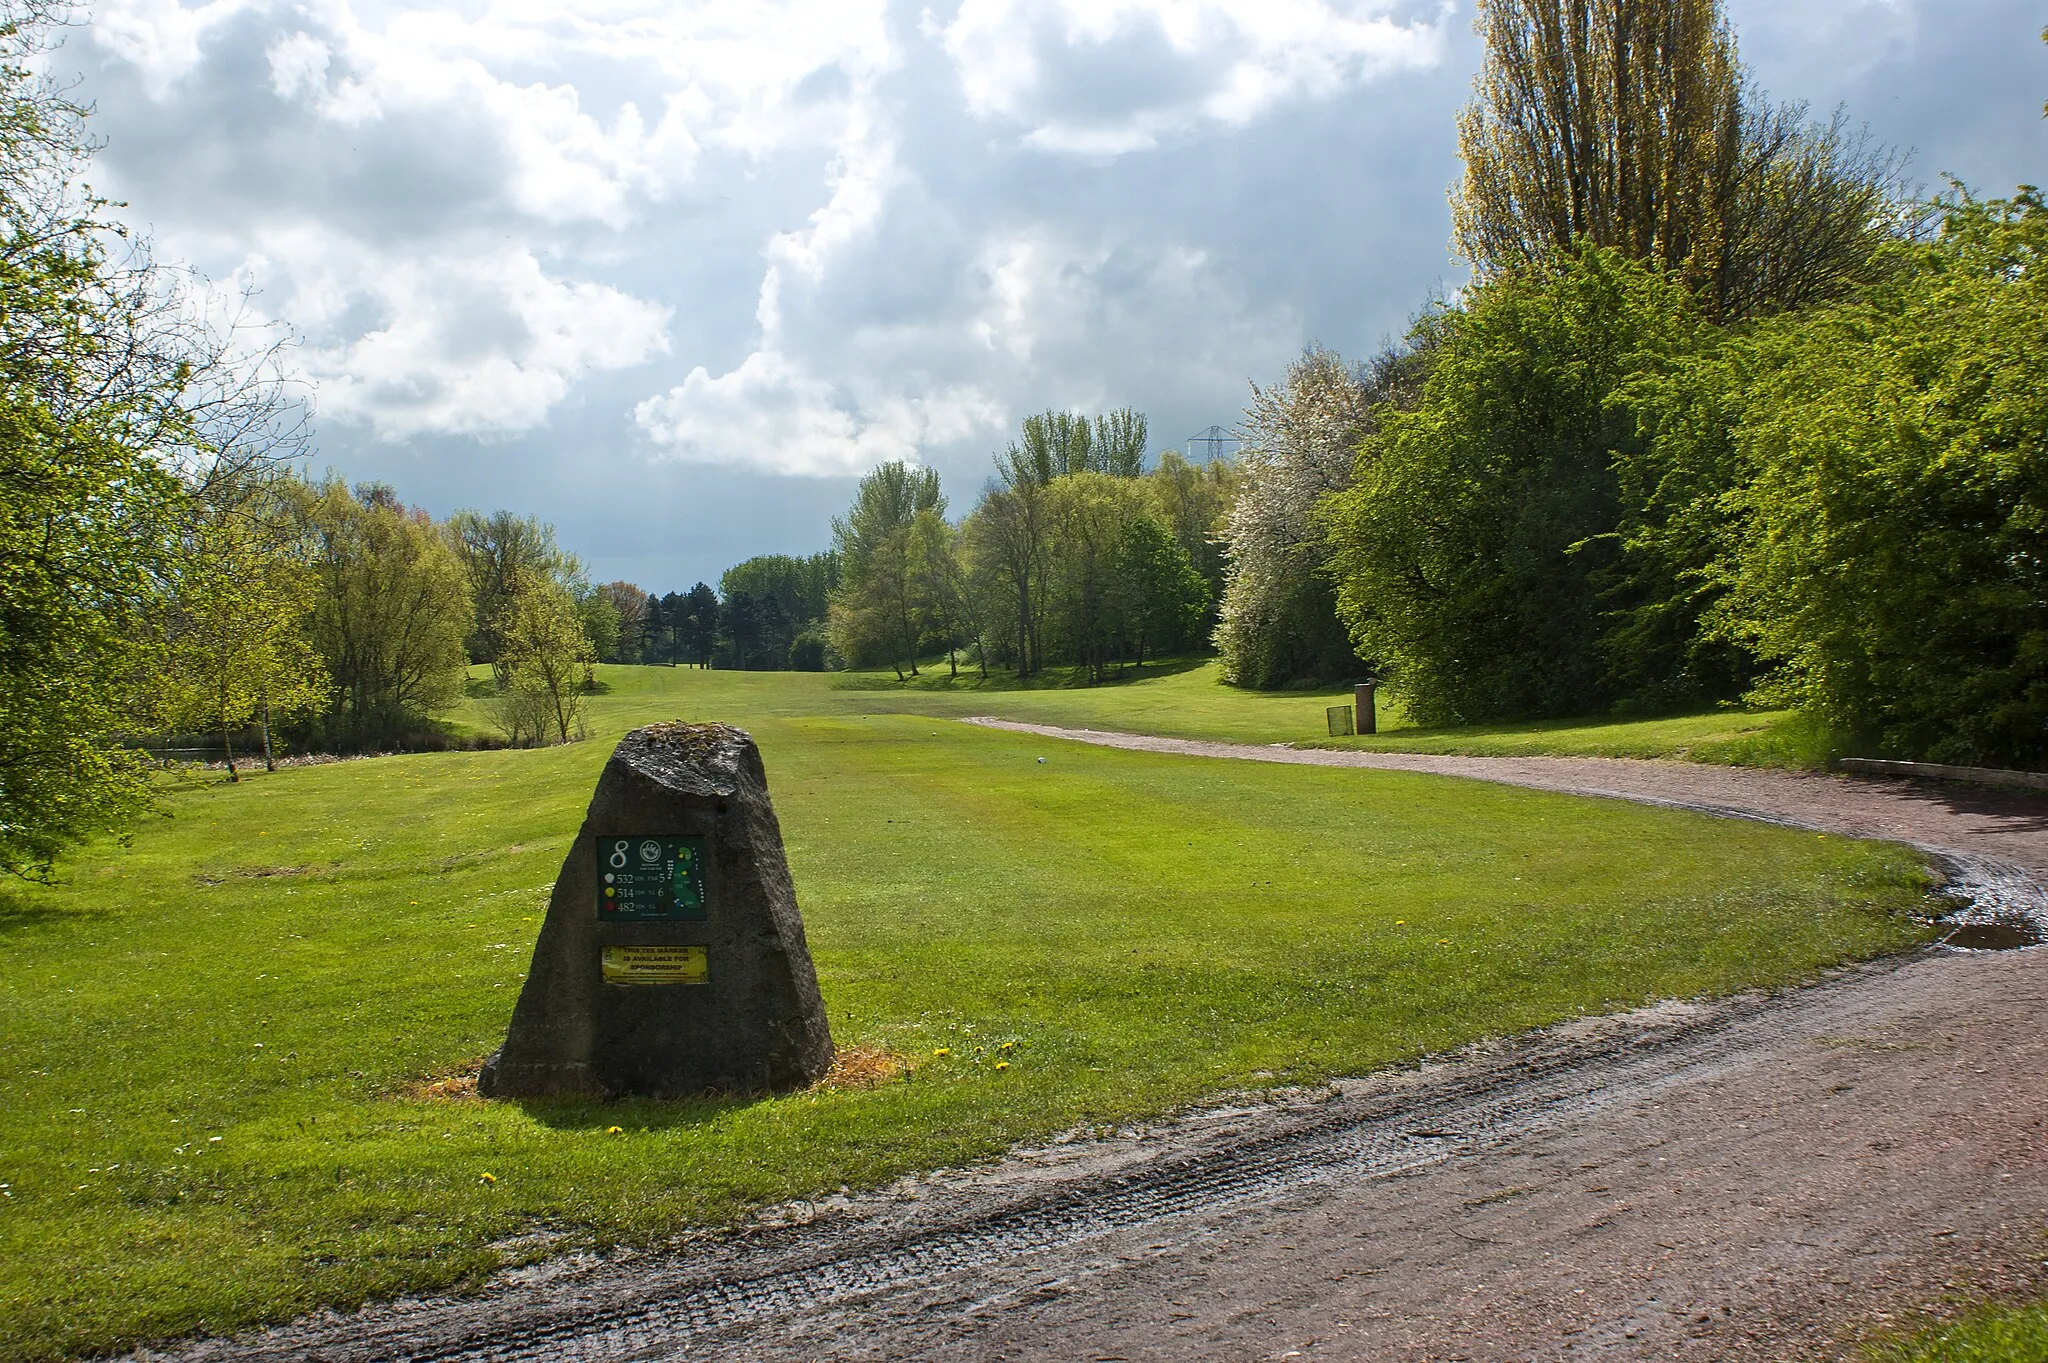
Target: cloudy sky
column 671, row 276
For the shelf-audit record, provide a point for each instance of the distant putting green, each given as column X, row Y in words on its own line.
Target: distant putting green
column 219, row 1043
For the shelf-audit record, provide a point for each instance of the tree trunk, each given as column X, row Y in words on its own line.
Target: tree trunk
column 269, row 762
column 227, row 744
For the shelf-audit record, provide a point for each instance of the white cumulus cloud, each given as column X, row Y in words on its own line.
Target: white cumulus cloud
column 769, row 414
column 469, row 346
column 1106, row 77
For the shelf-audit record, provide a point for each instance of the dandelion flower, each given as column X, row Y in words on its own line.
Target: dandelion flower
column 1002, row 1064
column 1400, row 922
column 614, row 1130
column 943, row 1050
column 1009, row 1046
column 487, row 1178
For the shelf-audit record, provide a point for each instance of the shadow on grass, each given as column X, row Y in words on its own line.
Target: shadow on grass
column 1051, row 679
column 635, row 1114
column 22, row 909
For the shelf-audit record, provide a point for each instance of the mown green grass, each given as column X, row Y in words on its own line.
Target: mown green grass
column 1736, row 737
column 210, row 1035
column 1186, row 698
column 2011, row 1334
column 1178, row 698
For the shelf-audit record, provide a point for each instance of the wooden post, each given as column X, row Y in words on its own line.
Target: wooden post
column 1361, row 699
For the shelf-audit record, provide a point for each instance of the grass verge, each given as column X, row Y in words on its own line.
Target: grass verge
column 1768, row 738
column 2011, row 1334
column 217, row 1085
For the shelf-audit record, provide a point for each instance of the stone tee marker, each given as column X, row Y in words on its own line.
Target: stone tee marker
column 672, row 960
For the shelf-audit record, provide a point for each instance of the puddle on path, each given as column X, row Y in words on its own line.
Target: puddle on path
column 2005, row 934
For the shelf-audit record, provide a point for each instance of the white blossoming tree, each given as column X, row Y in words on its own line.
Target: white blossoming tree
column 1278, row 622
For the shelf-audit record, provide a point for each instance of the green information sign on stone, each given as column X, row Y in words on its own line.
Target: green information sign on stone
column 650, row 879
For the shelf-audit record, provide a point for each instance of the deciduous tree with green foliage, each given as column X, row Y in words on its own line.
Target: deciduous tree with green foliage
column 391, row 609
column 1884, row 539
column 543, row 656
column 1473, row 555
column 1162, row 601
column 236, row 649
column 597, row 610
column 86, row 530
column 121, row 399
column 498, row 553
column 791, row 599
column 1194, row 500
column 877, row 612
column 939, row 581
column 1008, row 543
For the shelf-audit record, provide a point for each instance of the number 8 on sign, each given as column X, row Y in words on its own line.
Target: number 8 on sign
column 618, row 855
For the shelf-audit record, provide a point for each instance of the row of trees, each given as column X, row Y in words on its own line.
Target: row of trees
column 351, row 620
column 1601, row 497
column 1722, row 417
column 1074, row 554
column 766, row 614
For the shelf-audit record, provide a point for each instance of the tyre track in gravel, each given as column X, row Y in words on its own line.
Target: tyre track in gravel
column 1408, row 1122
column 964, row 1240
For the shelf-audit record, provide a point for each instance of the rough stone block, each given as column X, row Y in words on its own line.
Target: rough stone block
column 695, row 976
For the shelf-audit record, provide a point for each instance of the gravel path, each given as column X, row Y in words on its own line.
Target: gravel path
column 1752, row 1179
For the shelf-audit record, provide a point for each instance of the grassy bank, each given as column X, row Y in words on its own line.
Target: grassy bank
column 217, row 1041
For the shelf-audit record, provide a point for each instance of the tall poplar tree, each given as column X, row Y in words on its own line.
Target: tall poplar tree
column 1630, row 124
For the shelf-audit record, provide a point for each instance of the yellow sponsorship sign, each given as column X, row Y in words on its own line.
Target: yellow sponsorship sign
column 655, row 965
